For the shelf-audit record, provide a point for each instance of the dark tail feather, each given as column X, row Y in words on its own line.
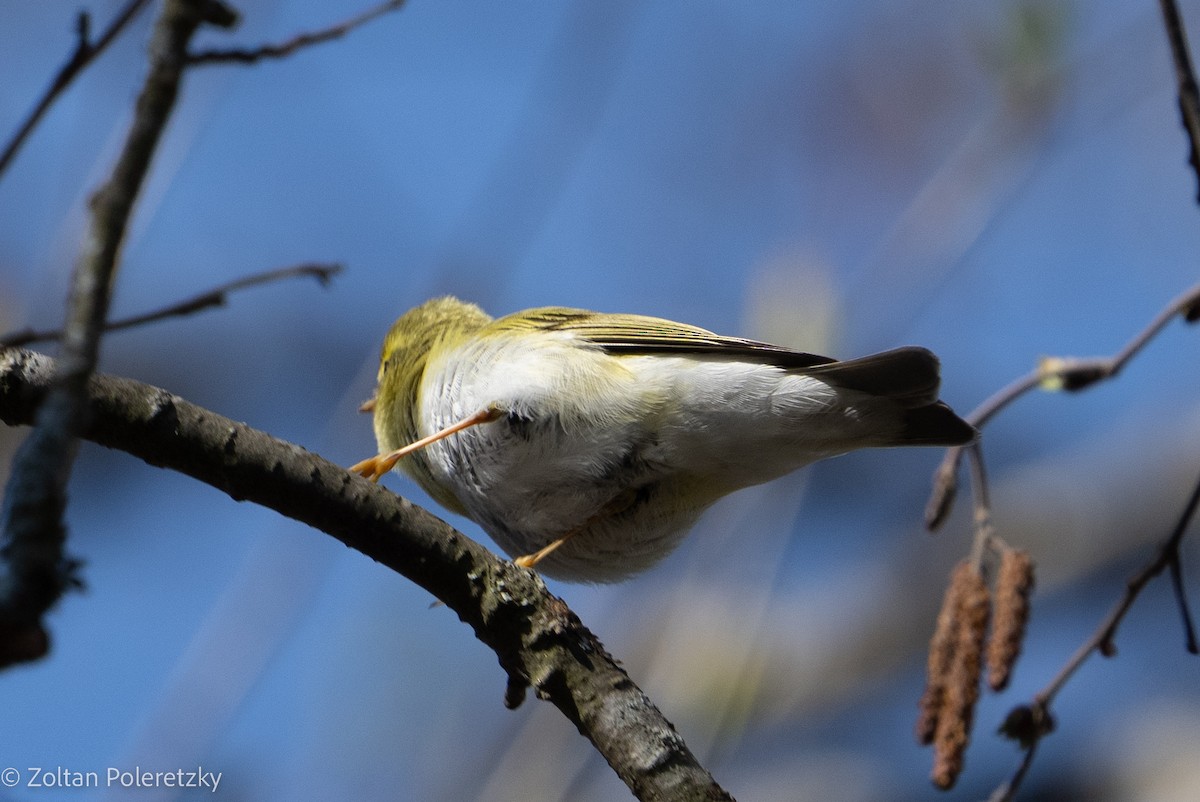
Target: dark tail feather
column 934, row 425
column 910, row 377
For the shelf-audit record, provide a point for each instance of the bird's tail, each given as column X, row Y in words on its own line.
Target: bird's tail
column 909, row 377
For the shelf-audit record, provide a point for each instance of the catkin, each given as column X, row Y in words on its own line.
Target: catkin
column 1014, row 584
column 941, row 658
column 961, row 689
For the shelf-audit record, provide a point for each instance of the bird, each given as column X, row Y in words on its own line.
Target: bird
column 587, row 444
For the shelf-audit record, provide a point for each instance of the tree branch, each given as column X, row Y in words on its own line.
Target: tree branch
column 284, row 49
column 34, row 534
column 85, row 53
column 1102, row 639
column 538, row 641
column 1029, row 723
column 1056, row 373
column 217, row 296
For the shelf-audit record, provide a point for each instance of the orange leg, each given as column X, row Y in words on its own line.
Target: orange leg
column 620, row 503
column 375, row 467
column 530, row 560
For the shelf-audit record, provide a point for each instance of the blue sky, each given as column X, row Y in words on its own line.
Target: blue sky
column 843, row 178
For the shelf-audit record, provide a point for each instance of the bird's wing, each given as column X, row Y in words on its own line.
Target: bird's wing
column 908, row 375
column 640, row 334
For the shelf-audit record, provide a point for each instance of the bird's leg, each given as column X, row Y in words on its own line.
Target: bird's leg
column 530, row 560
column 375, row 467
column 621, row 502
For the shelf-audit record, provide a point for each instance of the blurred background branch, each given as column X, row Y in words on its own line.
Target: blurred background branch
column 85, row 52
column 1185, row 78
column 217, row 296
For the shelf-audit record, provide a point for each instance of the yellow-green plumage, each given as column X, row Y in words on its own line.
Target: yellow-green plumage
column 427, row 330
column 619, row 430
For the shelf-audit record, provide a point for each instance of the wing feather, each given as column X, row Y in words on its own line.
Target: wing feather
column 908, row 376
column 641, row 334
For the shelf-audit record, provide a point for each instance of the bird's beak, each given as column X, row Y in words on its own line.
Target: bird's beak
column 367, row 406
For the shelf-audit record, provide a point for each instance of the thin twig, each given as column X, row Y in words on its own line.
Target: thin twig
column 1181, row 601
column 1057, row 373
column 1071, row 375
column 1008, row 790
column 85, row 53
column 1074, row 375
column 217, row 296
column 1101, row 640
column 982, row 504
column 284, row 49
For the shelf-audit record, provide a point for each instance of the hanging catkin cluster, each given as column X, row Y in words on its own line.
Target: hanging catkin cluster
column 957, row 654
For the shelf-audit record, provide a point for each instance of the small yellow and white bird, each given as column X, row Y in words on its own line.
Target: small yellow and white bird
column 589, row 443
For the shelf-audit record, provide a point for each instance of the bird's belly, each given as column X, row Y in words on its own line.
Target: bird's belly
column 529, row 483
column 625, row 475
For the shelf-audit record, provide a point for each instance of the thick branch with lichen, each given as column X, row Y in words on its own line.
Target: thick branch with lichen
column 539, row 642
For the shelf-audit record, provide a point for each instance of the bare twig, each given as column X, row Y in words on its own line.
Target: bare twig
column 1100, row 641
column 284, row 49
column 1181, row 601
column 1007, row 791
column 85, row 53
column 538, row 641
column 985, row 531
column 1185, row 77
column 34, row 534
column 1057, row 374
column 217, row 296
